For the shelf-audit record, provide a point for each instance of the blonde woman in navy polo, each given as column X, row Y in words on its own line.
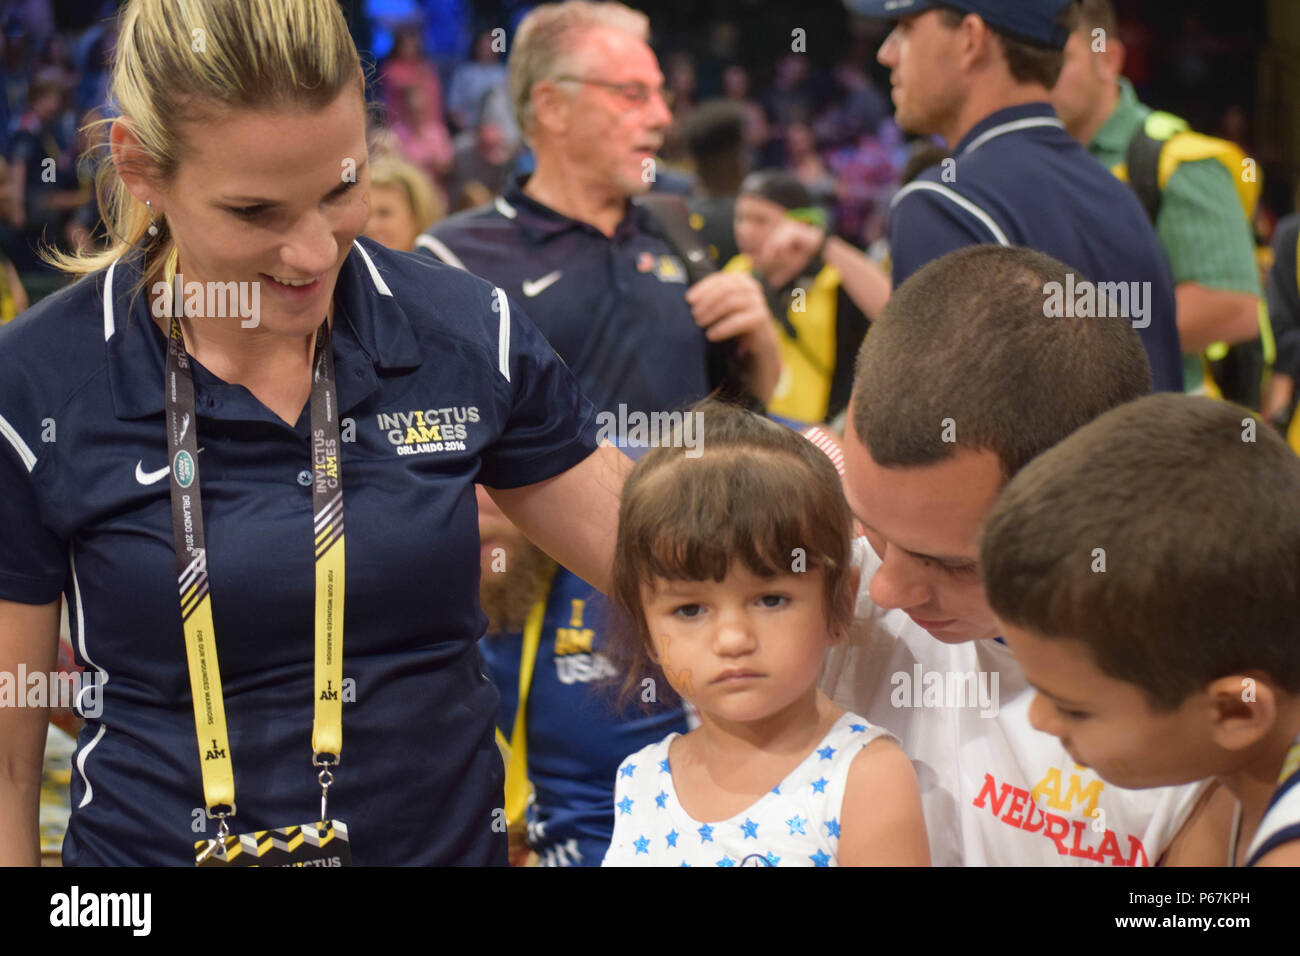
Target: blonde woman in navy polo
column 187, row 474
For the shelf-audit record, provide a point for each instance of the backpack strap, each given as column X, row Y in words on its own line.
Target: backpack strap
column 1142, row 159
column 674, row 221
column 728, row 370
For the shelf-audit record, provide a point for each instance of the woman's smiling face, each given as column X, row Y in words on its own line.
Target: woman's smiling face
column 260, row 196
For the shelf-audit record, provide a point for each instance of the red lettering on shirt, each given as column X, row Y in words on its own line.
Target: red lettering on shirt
column 989, row 790
column 1017, row 804
column 1086, row 852
column 1070, row 836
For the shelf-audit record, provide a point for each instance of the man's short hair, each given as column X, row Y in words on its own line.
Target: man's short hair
column 547, row 36
column 963, row 356
column 1028, row 62
column 715, row 135
column 1192, row 509
column 1097, row 15
column 714, row 128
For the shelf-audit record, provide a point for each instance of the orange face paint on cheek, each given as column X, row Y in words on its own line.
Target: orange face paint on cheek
column 679, row 678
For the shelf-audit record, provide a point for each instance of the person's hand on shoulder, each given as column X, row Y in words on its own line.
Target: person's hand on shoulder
column 733, row 306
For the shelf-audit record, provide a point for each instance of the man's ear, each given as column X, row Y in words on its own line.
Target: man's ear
column 1112, row 58
column 978, row 45
column 1243, row 710
column 550, row 107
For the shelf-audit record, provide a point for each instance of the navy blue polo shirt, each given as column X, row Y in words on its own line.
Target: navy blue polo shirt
column 417, row 347
column 613, row 307
column 577, row 734
column 1021, row 180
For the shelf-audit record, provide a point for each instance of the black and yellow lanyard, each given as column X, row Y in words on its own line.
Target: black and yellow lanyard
column 191, row 566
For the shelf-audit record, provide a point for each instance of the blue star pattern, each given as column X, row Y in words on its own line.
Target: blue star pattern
column 797, row 825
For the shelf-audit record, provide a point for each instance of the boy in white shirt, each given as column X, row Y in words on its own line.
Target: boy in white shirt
column 961, row 382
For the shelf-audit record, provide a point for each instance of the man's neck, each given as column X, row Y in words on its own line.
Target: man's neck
column 1097, row 119
column 567, row 192
column 985, row 100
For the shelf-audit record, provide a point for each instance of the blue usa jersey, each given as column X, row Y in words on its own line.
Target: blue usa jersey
column 576, row 734
column 442, row 382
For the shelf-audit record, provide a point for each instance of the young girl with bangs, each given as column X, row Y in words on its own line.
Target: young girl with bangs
column 733, row 572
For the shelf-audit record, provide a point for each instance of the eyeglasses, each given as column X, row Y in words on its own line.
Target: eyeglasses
column 634, row 94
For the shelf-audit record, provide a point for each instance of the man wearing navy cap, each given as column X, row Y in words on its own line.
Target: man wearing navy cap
column 977, row 73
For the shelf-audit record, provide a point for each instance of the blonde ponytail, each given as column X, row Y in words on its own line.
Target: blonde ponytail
column 181, row 61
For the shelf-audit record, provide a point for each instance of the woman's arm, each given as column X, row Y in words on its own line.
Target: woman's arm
column 29, row 635
column 573, row 517
column 881, row 823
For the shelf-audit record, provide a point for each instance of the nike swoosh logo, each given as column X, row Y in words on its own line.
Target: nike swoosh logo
column 535, row 286
column 150, row 477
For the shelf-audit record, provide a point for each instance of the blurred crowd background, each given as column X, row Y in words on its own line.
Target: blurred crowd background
column 803, row 77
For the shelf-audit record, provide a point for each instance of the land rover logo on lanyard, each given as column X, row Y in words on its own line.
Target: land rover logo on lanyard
column 324, row 842
column 183, row 467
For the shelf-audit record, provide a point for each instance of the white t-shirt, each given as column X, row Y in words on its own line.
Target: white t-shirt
column 996, row 792
column 796, row 823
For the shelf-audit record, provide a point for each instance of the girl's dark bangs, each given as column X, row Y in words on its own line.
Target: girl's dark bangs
column 708, row 524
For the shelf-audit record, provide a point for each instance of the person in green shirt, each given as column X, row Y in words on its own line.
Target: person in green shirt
column 1200, row 221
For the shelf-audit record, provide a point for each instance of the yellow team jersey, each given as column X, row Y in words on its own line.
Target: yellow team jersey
column 807, row 359
column 8, row 304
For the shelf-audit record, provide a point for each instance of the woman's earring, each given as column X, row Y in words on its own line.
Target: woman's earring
column 153, row 229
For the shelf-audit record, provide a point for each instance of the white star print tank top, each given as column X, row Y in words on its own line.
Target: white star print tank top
column 796, row 823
